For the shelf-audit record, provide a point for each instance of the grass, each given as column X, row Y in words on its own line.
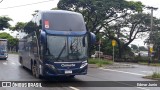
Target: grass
column 151, row 64
column 13, row 53
column 99, row 62
column 155, row 76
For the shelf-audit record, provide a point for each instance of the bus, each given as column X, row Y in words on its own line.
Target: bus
column 3, row 49
column 56, row 44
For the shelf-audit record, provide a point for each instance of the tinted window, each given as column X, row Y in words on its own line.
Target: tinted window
column 63, row 22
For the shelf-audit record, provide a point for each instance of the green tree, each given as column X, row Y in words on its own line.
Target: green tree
column 110, row 16
column 30, row 27
column 134, row 47
column 127, row 29
column 5, row 35
column 98, row 13
column 12, row 42
column 142, row 48
column 4, row 22
column 19, row 26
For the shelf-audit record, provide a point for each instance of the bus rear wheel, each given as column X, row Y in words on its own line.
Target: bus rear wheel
column 33, row 69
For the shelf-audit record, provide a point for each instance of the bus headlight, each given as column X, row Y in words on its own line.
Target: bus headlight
column 84, row 64
column 50, row 66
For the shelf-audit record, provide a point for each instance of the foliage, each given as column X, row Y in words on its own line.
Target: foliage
column 12, row 42
column 19, row 26
column 142, row 48
column 30, row 27
column 141, row 59
column 111, row 17
column 151, row 64
column 125, row 30
column 98, row 13
column 5, row 35
column 134, row 47
column 154, row 37
column 156, row 75
column 99, row 62
column 4, row 22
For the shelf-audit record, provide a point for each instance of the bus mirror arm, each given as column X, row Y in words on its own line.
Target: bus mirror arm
column 92, row 38
column 84, row 41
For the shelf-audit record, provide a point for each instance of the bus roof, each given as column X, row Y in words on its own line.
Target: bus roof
column 59, row 11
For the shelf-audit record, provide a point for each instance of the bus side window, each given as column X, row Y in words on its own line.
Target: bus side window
column 34, row 45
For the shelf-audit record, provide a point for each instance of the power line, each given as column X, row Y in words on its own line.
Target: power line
column 26, row 4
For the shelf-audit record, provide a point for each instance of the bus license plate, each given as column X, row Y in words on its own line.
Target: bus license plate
column 68, row 72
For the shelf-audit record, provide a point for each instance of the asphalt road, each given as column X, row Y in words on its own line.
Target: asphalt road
column 96, row 79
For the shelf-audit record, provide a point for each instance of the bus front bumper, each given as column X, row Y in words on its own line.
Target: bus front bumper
column 48, row 71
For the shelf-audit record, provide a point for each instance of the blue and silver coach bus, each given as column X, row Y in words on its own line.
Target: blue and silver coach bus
column 56, row 44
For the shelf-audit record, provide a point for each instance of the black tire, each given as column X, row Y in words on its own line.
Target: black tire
column 33, row 69
column 71, row 76
column 21, row 62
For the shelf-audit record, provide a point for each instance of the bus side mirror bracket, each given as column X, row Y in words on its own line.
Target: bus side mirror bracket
column 43, row 37
column 84, row 41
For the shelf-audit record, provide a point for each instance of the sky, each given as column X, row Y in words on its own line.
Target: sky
column 153, row 3
column 24, row 14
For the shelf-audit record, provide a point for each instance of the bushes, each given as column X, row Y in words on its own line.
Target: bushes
column 99, row 62
column 141, row 58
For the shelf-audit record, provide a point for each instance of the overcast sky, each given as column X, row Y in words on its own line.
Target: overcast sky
column 21, row 13
column 154, row 3
column 24, row 14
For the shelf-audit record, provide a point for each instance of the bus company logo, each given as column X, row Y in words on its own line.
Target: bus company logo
column 6, row 84
column 68, row 65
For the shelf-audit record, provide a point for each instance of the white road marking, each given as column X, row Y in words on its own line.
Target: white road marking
column 5, row 63
column 128, row 73
column 147, row 71
column 73, row 88
column 123, row 72
column 13, row 63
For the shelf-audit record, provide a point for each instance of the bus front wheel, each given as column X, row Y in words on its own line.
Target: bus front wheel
column 35, row 71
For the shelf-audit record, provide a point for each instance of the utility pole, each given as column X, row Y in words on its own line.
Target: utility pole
column 151, row 27
column 151, row 33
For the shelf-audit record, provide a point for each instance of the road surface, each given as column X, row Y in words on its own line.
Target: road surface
column 96, row 79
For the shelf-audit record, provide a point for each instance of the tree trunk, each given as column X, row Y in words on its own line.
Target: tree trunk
column 119, row 49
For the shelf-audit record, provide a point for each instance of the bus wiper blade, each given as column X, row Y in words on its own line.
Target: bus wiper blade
column 61, row 52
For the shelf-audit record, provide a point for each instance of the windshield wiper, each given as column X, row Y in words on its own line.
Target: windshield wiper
column 61, row 52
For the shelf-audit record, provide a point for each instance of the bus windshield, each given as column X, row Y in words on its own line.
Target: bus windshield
column 63, row 48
